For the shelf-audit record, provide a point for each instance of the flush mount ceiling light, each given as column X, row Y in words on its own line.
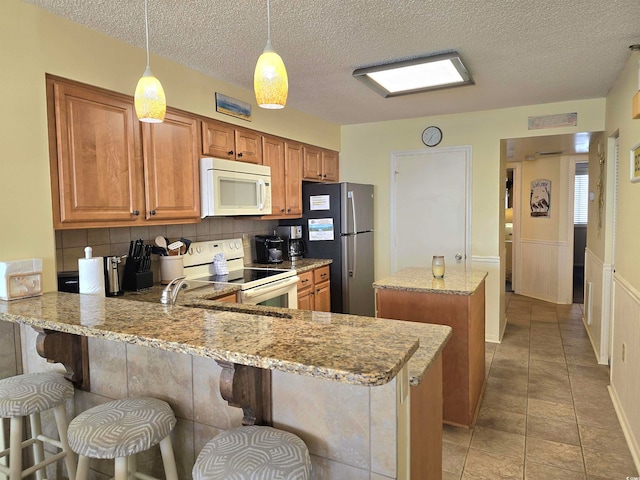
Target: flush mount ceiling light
column 270, row 81
column 149, row 99
column 417, row 75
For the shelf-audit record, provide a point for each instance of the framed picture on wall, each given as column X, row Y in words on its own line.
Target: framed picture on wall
column 540, row 198
column 635, row 164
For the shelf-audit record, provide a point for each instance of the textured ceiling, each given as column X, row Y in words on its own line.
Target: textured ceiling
column 519, row 52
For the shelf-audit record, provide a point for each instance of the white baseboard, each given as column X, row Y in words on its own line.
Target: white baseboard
column 626, row 429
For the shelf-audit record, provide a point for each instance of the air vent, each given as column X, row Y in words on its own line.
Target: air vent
column 550, row 154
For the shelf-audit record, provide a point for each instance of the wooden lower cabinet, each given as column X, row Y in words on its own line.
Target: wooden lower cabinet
column 314, row 290
column 426, row 425
column 463, row 357
column 231, row 298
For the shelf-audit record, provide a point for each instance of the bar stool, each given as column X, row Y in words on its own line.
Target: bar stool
column 119, row 430
column 29, row 395
column 252, row 453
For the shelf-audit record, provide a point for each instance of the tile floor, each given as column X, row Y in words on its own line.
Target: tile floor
column 546, row 412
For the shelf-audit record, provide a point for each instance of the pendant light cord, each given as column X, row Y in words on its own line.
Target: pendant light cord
column 146, row 28
column 268, row 21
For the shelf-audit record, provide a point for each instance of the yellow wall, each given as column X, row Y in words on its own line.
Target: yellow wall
column 554, row 227
column 366, row 150
column 618, row 119
column 35, row 42
column 365, row 157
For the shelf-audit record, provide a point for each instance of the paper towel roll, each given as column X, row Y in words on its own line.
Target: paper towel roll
column 91, row 273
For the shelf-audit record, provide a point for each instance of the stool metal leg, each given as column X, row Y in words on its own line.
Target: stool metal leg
column 83, row 468
column 3, row 445
column 168, row 459
column 60, row 414
column 121, row 468
column 38, row 449
column 15, row 446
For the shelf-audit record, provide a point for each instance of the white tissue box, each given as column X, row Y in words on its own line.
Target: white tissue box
column 20, row 279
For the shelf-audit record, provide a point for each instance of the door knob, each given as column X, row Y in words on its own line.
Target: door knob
column 458, row 257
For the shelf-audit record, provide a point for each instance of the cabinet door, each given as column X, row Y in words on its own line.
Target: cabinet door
column 170, row 151
column 248, row 146
column 330, row 171
column 274, row 157
column 305, row 299
column 322, row 297
column 312, row 163
column 218, row 139
column 95, row 174
column 293, row 178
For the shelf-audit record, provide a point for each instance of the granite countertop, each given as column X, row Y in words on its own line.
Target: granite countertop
column 456, row 281
column 344, row 348
column 300, row 266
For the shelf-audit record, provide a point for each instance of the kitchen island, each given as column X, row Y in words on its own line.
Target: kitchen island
column 350, row 373
column 457, row 300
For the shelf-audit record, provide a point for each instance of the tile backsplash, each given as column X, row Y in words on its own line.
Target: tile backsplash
column 70, row 244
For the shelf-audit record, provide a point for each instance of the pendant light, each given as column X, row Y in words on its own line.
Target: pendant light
column 150, row 102
column 270, row 81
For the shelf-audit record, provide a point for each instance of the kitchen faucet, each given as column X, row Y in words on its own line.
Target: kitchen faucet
column 171, row 291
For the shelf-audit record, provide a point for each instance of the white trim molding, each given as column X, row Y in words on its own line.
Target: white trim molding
column 494, row 296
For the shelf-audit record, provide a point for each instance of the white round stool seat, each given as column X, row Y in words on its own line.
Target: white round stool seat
column 30, row 393
column 252, row 453
column 121, row 428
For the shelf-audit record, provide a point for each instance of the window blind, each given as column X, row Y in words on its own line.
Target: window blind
column 581, row 199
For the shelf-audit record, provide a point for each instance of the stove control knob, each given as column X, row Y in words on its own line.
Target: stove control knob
column 238, row 245
column 191, row 251
column 231, row 246
column 199, row 249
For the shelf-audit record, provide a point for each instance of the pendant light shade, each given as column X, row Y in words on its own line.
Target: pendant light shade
column 270, row 81
column 150, row 101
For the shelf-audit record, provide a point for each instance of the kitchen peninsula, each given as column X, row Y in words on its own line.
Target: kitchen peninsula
column 351, row 373
column 457, row 300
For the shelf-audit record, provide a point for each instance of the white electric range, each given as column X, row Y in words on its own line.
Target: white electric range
column 264, row 286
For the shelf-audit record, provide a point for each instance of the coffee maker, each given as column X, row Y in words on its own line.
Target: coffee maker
column 268, row 248
column 293, row 244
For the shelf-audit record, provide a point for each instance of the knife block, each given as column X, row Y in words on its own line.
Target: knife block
column 133, row 280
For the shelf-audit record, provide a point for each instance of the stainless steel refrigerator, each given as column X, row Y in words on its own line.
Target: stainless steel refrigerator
column 338, row 224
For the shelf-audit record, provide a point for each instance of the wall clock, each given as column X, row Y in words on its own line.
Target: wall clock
column 431, row 136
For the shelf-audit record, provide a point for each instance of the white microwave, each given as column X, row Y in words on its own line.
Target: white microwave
column 234, row 188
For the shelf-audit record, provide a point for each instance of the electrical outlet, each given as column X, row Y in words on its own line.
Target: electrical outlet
column 624, row 351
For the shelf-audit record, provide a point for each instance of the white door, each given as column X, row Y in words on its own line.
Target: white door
column 430, row 207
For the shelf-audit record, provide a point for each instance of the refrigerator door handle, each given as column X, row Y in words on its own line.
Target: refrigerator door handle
column 353, row 210
column 355, row 253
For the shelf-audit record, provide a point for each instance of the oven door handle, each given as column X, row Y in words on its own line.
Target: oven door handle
column 277, row 285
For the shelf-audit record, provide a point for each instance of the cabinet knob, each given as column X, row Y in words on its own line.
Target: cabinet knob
column 320, row 175
column 152, row 212
column 324, row 176
column 318, row 290
column 282, row 210
column 240, row 155
column 288, row 210
column 136, row 212
column 230, row 152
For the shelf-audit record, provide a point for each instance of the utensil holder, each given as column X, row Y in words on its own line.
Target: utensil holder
column 171, row 267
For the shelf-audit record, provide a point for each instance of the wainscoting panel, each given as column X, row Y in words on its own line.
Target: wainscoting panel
column 597, row 306
column 545, row 274
column 495, row 319
column 625, row 358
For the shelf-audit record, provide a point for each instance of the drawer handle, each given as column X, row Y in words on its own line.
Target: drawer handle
column 305, row 280
column 240, row 155
column 230, row 152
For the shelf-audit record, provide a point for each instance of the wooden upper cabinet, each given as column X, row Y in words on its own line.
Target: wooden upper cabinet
column 293, row 178
column 94, row 156
column 320, row 165
column 274, row 157
column 312, row 163
column 170, row 152
column 285, row 160
column 222, row 140
column 218, row 140
column 248, row 146
column 330, row 167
